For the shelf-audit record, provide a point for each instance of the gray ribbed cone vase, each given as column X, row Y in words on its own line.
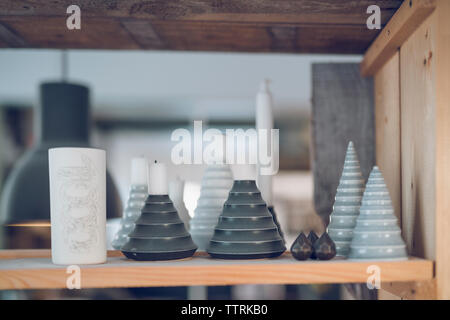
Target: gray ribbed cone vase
column 159, row 233
column 176, row 191
column 136, row 201
column 275, row 220
column 377, row 235
column 246, row 229
column 216, row 185
column 346, row 204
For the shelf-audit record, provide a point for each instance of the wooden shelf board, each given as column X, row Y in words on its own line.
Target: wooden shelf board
column 406, row 20
column 18, row 271
column 293, row 26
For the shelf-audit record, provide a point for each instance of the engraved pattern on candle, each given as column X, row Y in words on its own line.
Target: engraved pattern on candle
column 78, row 209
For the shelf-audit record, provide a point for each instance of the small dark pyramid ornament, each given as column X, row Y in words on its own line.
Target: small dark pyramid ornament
column 301, row 249
column 324, row 247
column 312, row 237
column 245, row 229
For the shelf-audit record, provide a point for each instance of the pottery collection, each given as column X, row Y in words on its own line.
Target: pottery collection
column 216, row 184
column 347, row 202
column 377, row 235
column 159, row 233
column 246, row 229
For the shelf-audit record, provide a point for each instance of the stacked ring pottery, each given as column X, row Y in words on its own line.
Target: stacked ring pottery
column 377, row 235
column 216, row 185
column 275, row 220
column 136, row 201
column 246, row 229
column 159, row 233
column 347, row 202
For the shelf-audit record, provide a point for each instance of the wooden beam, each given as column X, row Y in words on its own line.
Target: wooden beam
column 418, row 140
column 416, row 290
column 10, row 38
column 406, row 20
column 291, row 26
column 387, row 129
column 442, row 173
column 143, row 33
column 332, row 12
column 29, row 273
column 40, row 253
column 425, row 140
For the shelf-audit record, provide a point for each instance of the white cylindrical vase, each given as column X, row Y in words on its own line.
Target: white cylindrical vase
column 78, row 205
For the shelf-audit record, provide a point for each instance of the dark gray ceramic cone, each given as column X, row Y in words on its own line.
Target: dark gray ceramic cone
column 246, row 229
column 275, row 219
column 159, row 233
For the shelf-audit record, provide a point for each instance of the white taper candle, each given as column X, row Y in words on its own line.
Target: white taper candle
column 264, row 120
column 139, row 171
column 157, row 180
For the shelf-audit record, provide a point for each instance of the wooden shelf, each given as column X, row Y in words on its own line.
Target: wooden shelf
column 311, row 26
column 33, row 269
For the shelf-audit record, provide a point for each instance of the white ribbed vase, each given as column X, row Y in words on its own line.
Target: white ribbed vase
column 377, row 235
column 216, row 184
column 136, row 200
column 346, row 204
column 176, row 192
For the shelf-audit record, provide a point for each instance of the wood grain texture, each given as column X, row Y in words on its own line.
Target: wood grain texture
column 387, row 129
column 441, row 58
column 40, row 253
column 342, row 111
column 407, row 19
column 416, row 290
column 27, row 273
column 323, row 26
column 418, row 140
column 309, row 11
column 104, row 33
column 9, row 38
column 425, row 140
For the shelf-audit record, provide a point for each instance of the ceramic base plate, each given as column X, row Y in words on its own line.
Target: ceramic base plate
column 378, row 259
column 235, row 256
column 159, row 256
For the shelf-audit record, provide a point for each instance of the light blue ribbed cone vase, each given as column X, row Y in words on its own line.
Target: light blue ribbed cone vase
column 346, row 204
column 216, row 184
column 136, row 200
column 377, row 235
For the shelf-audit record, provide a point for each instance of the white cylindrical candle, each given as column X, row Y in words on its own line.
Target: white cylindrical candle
column 139, row 171
column 264, row 120
column 78, row 205
column 157, row 180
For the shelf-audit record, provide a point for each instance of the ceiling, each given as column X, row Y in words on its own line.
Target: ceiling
column 284, row 26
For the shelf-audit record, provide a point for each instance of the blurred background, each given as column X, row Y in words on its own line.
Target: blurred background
column 137, row 99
